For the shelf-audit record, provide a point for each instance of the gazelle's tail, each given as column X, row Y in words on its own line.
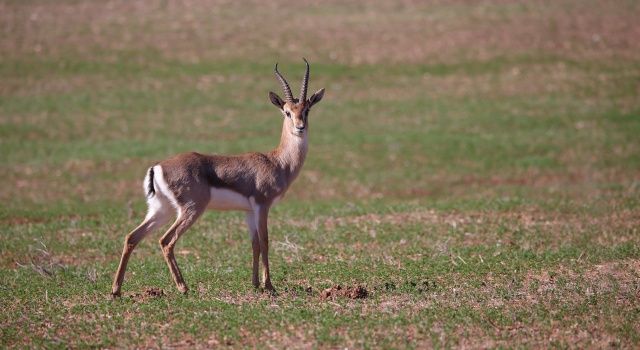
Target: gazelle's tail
column 148, row 184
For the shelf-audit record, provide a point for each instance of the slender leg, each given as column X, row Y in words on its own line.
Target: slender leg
column 186, row 218
column 255, row 245
column 151, row 222
column 263, row 235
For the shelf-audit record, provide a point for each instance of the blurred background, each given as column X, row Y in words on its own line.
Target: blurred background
column 474, row 164
column 433, row 99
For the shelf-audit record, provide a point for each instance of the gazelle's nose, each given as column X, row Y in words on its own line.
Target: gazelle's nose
column 300, row 127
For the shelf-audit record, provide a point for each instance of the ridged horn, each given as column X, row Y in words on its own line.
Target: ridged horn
column 285, row 86
column 305, row 82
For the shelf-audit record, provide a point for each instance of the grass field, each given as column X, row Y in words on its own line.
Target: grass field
column 474, row 166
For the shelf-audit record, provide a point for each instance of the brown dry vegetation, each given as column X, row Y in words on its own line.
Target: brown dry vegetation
column 372, row 33
column 355, row 33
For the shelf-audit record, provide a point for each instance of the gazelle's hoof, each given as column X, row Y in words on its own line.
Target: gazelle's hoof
column 115, row 295
column 183, row 289
column 269, row 289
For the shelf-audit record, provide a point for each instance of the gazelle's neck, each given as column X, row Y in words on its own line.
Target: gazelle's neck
column 291, row 152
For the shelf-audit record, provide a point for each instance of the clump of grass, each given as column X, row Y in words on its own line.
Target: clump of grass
column 40, row 260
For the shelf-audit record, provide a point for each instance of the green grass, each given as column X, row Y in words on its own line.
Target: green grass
column 484, row 192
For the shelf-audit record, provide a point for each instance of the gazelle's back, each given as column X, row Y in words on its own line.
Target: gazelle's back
column 250, row 174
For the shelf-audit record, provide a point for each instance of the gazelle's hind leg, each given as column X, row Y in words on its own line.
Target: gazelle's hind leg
column 187, row 215
column 158, row 214
column 255, row 245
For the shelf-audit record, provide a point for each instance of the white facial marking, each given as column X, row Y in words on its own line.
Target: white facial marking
column 224, row 199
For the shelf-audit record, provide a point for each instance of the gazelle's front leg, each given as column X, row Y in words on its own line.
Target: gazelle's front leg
column 263, row 235
column 252, row 225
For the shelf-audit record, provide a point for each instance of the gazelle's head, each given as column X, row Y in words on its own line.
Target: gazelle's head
column 295, row 111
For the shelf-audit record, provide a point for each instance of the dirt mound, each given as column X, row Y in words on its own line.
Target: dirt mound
column 148, row 293
column 355, row 292
column 153, row 292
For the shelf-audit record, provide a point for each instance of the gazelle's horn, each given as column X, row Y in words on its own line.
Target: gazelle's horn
column 305, row 82
column 285, row 86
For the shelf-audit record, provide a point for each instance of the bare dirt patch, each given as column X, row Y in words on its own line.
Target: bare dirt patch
column 337, row 291
column 147, row 294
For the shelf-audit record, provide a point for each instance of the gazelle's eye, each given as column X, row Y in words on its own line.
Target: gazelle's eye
column 288, row 114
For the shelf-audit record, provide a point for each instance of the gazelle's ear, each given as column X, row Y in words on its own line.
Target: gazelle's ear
column 316, row 97
column 276, row 100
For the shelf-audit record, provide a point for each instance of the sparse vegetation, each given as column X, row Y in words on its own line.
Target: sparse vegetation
column 473, row 178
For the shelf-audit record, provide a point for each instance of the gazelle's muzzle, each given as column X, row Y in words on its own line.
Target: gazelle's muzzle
column 298, row 127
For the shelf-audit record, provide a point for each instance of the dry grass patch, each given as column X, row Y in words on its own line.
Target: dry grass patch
column 624, row 223
column 551, row 290
column 352, row 33
column 351, row 292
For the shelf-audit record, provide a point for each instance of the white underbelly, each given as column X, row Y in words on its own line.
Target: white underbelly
column 277, row 199
column 224, row 199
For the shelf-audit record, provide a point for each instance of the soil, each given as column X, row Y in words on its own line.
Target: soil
column 354, row 292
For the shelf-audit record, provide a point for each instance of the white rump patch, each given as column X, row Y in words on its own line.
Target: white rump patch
column 224, row 199
column 162, row 187
column 159, row 205
column 158, row 211
column 145, row 183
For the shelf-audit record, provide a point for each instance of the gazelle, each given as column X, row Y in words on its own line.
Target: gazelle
column 190, row 183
